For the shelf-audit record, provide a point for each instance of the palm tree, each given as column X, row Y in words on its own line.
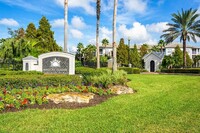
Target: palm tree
column 65, row 24
column 161, row 44
column 114, row 68
column 105, row 42
column 97, row 32
column 186, row 26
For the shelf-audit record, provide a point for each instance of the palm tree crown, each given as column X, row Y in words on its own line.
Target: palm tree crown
column 186, row 26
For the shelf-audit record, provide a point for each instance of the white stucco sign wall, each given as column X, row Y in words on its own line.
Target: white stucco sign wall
column 53, row 62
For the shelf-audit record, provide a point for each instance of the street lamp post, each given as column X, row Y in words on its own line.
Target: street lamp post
column 129, row 62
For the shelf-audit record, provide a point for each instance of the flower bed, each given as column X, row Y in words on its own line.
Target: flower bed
column 19, row 98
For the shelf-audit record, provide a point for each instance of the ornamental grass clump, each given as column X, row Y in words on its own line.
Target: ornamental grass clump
column 107, row 78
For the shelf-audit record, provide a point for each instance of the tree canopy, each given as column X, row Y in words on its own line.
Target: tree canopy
column 186, row 25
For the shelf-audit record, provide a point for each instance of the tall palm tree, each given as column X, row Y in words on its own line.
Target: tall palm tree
column 65, row 24
column 97, row 31
column 114, row 68
column 186, row 26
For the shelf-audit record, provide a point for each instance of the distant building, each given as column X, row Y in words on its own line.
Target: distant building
column 192, row 50
column 153, row 60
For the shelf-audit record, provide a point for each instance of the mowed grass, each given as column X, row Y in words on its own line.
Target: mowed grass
column 163, row 103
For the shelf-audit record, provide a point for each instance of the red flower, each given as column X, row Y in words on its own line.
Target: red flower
column 4, row 91
column 85, row 91
column 24, row 102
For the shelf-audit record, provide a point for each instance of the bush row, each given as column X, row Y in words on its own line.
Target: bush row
column 130, row 70
column 179, row 70
column 89, row 71
column 25, row 81
column 6, row 72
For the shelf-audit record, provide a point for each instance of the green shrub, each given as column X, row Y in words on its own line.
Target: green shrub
column 89, row 71
column 78, row 64
column 106, row 78
column 179, row 70
column 130, row 70
column 25, row 81
column 143, row 70
column 6, row 72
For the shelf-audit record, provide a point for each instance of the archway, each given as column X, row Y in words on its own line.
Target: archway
column 152, row 66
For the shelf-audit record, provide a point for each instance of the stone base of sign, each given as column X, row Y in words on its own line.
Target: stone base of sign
column 71, row 97
column 53, row 62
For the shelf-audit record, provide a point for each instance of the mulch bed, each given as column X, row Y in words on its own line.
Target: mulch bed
column 67, row 105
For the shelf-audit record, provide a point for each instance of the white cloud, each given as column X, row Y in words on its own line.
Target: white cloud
column 72, row 49
column 137, row 6
column 92, row 40
column 76, row 34
column 105, row 33
column 57, row 23
column 157, row 27
column 138, row 33
column 85, row 4
column 9, row 22
column 78, row 22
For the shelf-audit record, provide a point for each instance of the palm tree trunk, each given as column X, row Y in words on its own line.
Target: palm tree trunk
column 65, row 24
column 97, row 33
column 114, row 37
column 184, row 53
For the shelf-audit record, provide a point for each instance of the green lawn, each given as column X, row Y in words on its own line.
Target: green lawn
column 163, row 103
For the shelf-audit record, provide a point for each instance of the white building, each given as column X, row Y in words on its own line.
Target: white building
column 153, row 60
column 192, row 50
column 106, row 50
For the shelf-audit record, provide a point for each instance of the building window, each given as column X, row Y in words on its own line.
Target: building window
column 101, row 51
column 194, row 51
column 169, row 51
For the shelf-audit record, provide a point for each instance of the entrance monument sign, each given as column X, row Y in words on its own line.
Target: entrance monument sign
column 53, row 62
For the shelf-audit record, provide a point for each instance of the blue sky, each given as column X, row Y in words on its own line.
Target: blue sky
column 141, row 20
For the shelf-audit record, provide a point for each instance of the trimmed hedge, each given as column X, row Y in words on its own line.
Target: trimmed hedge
column 33, row 81
column 130, row 70
column 179, row 70
column 5, row 72
column 89, row 71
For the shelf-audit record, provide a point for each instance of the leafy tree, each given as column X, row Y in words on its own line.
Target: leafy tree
column 135, row 58
column 161, row 45
column 197, row 60
column 105, row 43
column 178, row 57
column 79, row 53
column 143, row 50
column 45, row 36
column 89, row 53
column 17, row 34
column 186, row 26
column 189, row 61
column 155, row 48
column 168, row 61
column 31, row 31
column 122, row 53
column 6, row 50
